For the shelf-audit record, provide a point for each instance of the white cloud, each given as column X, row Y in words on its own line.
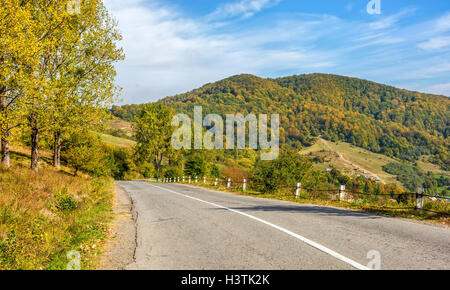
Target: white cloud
column 440, row 89
column 245, row 8
column 437, row 34
column 167, row 53
column 435, row 43
column 443, row 23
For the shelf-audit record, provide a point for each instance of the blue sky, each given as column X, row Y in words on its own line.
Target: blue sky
column 174, row 46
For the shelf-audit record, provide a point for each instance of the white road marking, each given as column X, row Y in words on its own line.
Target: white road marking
column 297, row 236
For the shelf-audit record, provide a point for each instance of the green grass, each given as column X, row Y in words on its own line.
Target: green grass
column 117, row 141
column 426, row 166
column 347, row 158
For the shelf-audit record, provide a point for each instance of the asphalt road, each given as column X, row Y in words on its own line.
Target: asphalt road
column 189, row 228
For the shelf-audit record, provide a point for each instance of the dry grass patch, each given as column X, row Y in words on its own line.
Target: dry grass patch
column 45, row 215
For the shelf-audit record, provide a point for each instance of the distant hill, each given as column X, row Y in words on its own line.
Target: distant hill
column 383, row 119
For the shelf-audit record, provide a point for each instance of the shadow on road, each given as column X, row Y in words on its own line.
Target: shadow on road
column 306, row 209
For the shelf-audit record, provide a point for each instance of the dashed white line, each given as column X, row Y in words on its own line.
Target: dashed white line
column 297, row 236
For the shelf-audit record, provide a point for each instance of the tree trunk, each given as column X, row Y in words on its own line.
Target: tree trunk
column 5, row 153
column 57, row 151
column 5, row 134
column 34, row 148
column 158, row 162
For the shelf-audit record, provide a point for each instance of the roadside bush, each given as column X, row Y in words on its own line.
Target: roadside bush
column 195, row 166
column 289, row 169
column 172, row 172
column 215, row 172
column 236, row 175
column 132, row 175
column 121, row 162
column 147, row 169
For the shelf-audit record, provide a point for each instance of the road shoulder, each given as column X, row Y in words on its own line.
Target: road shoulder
column 121, row 245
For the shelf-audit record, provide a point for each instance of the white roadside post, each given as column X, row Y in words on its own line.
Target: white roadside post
column 196, row 179
column 297, row 192
column 183, row 179
column 216, row 182
column 229, row 183
column 244, row 186
column 178, row 179
column 342, row 193
column 204, row 179
column 189, row 180
column 420, row 198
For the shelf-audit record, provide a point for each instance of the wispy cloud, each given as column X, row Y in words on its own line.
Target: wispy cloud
column 440, row 89
column 243, row 8
column 169, row 52
column 437, row 34
column 435, row 43
column 443, row 23
column 389, row 21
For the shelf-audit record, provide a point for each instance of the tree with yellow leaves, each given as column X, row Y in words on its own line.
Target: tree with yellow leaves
column 18, row 53
column 67, row 74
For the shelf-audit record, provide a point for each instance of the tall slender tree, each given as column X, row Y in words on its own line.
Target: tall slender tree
column 153, row 131
column 84, row 79
column 17, row 54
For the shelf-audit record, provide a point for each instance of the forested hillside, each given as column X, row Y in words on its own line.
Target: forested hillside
column 380, row 118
